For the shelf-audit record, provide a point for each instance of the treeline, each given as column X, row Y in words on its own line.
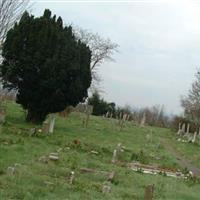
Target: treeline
column 154, row 116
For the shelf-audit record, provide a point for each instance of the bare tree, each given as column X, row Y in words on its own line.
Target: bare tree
column 10, row 12
column 191, row 102
column 102, row 49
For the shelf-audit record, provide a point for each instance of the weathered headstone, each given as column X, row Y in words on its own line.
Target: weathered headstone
column 52, row 123
column 111, row 176
column 114, row 157
column 143, row 120
column 188, row 128
column 194, row 137
column 53, row 156
column 149, row 190
column 106, row 188
column 71, row 178
column 11, row 170
column 45, row 127
column 32, row 131
column 183, row 128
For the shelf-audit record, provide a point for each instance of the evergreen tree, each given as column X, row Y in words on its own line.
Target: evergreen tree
column 47, row 66
column 100, row 106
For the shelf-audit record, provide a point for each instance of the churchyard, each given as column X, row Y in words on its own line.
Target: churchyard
column 100, row 161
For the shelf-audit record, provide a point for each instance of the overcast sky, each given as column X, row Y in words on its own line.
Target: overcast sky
column 159, row 46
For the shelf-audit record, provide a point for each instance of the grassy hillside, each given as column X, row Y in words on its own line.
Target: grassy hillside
column 49, row 181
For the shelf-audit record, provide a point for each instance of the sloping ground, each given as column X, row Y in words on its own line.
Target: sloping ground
column 35, row 179
column 184, row 162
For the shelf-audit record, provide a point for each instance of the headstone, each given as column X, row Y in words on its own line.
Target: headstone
column 11, row 170
column 149, row 190
column 52, row 123
column 71, row 178
column 32, row 131
column 188, row 128
column 179, row 129
column 143, row 120
column 183, row 128
column 114, row 157
column 53, row 156
column 106, row 188
column 111, row 176
column 194, row 137
column 45, row 127
column 43, row 159
column 2, row 117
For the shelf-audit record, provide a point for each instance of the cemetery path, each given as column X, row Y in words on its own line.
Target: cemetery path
column 180, row 159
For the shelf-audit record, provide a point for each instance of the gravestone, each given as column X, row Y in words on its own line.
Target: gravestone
column 114, row 157
column 188, row 128
column 106, row 188
column 194, row 137
column 143, row 120
column 71, row 178
column 149, row 190
column 45, row 127
column 52, row 123
column 111, row 176
column 183, row 128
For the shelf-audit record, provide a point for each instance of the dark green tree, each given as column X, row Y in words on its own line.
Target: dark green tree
column 46, row 64
column 100, row 106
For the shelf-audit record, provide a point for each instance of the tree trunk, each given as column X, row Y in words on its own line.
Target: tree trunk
column 35, row 117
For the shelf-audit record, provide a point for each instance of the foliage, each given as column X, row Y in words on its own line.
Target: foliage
column 174, row 124
column 191, row 102
column 100, row 107
column 45, row 63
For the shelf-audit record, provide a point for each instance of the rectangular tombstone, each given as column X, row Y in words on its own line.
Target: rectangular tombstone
column 149, row 190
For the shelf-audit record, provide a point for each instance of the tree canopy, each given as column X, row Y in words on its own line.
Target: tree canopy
column 46, row 64
column 191, row 102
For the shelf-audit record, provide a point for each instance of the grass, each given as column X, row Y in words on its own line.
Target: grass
column 40, row 181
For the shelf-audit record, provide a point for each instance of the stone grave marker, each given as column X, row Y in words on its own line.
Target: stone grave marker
column 149, row 190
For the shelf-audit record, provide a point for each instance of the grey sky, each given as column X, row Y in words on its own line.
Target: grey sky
column 159, row 46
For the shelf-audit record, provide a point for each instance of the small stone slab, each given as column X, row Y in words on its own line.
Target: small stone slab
column 54, row 158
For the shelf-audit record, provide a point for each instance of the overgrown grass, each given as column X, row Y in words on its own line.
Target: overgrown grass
column 40, row 181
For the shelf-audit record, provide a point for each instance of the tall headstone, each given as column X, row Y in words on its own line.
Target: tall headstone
column 183, row 128
column 194, row 137
column 188, row 128
column 114, row 157
column 52, row 123
column 143, row 120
